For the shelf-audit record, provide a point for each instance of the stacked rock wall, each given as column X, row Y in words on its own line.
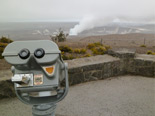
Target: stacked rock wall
column 142, row 65
column 118, row 62
column 94, row 68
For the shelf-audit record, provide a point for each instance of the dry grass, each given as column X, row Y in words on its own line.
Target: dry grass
column 130, row 41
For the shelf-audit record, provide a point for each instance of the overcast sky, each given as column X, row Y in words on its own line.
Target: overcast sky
column 72, row 10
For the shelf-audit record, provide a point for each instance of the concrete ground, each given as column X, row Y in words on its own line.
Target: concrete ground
column 117, row 96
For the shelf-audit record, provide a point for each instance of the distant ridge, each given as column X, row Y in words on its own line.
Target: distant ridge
column 120, row 28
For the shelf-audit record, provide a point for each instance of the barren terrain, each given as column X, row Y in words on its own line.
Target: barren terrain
column 131, row 41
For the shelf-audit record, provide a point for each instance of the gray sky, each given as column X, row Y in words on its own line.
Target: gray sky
column 71, row 10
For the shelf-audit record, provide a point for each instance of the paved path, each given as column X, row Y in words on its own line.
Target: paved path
column 118, row 96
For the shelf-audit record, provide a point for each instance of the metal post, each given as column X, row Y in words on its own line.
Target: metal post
column 44, row 110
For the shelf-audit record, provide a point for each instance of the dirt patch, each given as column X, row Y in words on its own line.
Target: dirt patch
column 6, row 89
column 4, row 65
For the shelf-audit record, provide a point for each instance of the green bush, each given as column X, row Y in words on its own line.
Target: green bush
column 67, row 57
column 5, row 40
column 90, row 46
column 97, row 44
column 65, row 49
column 64, row 57
column 99, row 50
column 3, row 43
column 143, row 46
column 1, row 51
column 92, row 49
column 70, row 57
column 80, row 51
column 150, row 52
column 1, row 57
column 93, row 45
column 107, row 47
column 83, row 51
column 60, row 36
column 87, row 55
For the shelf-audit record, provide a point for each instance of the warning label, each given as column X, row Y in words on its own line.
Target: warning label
column 38, row 79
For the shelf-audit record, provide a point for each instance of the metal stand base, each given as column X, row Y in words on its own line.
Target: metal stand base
column 44, row 110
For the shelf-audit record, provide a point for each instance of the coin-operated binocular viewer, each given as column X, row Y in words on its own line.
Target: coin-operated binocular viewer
column 38, row 73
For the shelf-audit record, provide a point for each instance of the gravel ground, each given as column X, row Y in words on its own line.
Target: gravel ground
column 117, row 96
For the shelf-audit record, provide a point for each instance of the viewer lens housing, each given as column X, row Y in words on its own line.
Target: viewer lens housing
column 39, row 53
column 24, row 53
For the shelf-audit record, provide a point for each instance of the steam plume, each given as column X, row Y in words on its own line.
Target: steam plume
column 89, row 22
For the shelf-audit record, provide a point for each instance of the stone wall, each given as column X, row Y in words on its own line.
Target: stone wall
column 142, row 65
column 94, row 68
column 136, row 64
column 118, row 62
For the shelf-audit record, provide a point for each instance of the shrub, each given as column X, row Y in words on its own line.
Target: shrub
column 1, row 51
column 5, row 40
column 60, row 36
column 93, row 45
column 83, row 51
column 3, row 45
column 150, row 52
column 97, row 44
column 64, row 57
column 90, row 46
column 143, row 45
column 80, row 51
column 99, row 50
column 65, row 49
column 107, row 47
column 70, row 57
column 94, row 49
column 87, row 55
column 67, row 57
column 1, row 57
column 62, row 52
column 76, row 50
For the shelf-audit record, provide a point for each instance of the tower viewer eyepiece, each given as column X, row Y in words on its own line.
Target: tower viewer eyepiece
column 24, row 53
column 39, row 53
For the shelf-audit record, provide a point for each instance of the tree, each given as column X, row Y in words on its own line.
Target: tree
column 59, row 37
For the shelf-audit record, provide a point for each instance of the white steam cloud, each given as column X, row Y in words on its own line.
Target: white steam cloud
column 89, row 22
column 133, row 11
